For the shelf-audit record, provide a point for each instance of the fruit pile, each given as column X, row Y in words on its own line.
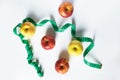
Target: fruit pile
column 27, row 28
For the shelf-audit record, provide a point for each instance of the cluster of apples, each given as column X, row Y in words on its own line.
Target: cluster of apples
column 75, row 47
column 28, row 30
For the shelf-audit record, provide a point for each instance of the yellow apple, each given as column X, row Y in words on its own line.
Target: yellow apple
column 75, row 48
column 27, row 29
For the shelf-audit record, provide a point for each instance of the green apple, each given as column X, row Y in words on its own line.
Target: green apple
column 27, row 29
column 75, row 48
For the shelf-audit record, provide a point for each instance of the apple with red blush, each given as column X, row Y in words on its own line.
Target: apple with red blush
column 62, row 66
column 48, row 42
column 65, row 9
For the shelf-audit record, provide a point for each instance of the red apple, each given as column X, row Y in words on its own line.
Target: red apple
column 65, row 9
column 62, row 66
column 48, row 42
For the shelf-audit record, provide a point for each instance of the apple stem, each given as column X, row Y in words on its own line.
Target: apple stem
column 46, row 43
column 74, row 48
column 26, row 29
column 66, row 9
column 61, row 67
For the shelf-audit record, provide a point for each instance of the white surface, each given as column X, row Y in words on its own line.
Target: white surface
column 99, row 17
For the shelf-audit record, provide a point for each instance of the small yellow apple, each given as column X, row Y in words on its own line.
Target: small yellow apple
column 75, row 48
column 27, row 29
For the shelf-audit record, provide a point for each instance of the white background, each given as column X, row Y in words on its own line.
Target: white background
column 97, row 18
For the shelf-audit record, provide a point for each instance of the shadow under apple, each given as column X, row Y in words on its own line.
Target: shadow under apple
column 50, row 31
column 64, row 54
column 33, row 16
column 79, row 32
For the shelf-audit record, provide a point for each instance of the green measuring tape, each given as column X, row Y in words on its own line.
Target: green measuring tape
column 61, row 29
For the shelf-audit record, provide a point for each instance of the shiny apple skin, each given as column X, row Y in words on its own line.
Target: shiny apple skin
column 65, row 9
column 62, row 66
column 75, row 48
column 27, row 29
column 48, row 42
